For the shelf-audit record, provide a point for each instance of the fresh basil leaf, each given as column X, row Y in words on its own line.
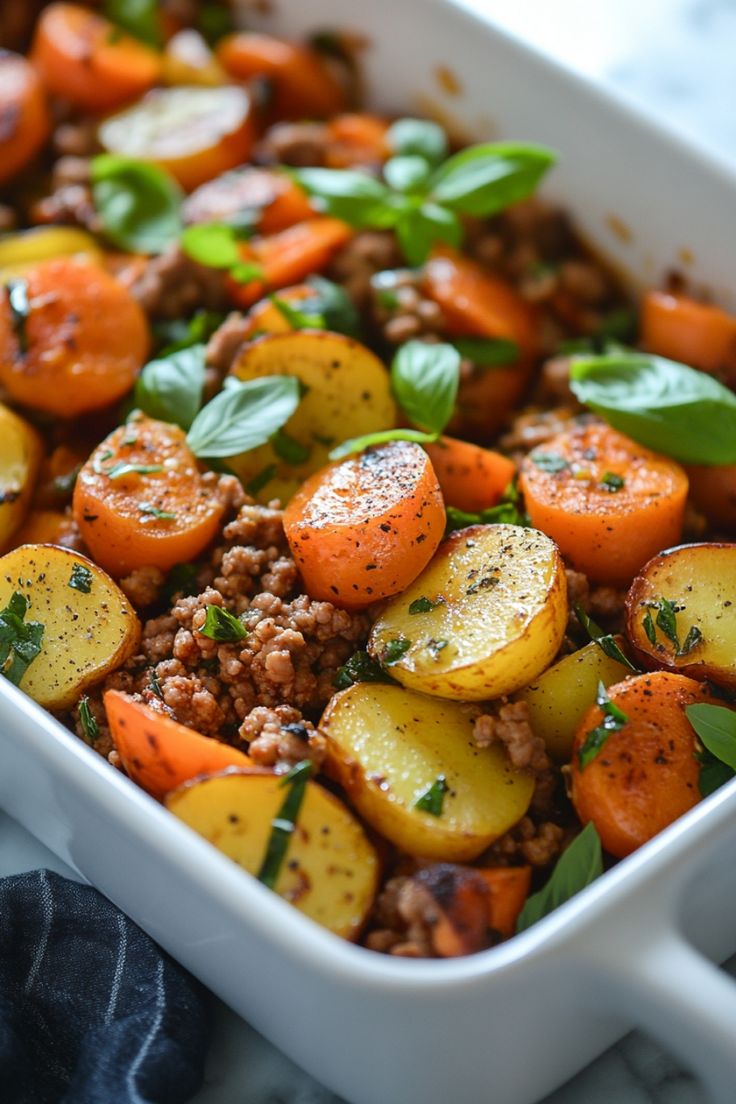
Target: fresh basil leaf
column 20, row 309
column 712, row 774
column 433, row 799
column 81, row 578
column 20, row 640
column 356, row 197
column 243, row 416
column 222, row 626
column 214, row 21
column 487, row 352
column 289, row 450
column 88, row 721
column 604, row 640
column 140, row 18
column 692, row 640
column 138, row 203
column 214, row 244
column 382, row 437
column 715, row 726
column 425, row 380
column 170, row 388
column 484, row 179
column 284, row 823
column 614, row 720
column 303, row 319
column 359, row 668
column 579, row 865
column 419, row 228
column 179, row 333
column 406, row 173
column 332, row 302
column 418, row 137
column 667, row 406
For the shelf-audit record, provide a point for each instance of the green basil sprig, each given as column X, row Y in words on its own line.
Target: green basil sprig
column 140, row 18
column 284, row 823
column 715, row 726
column 664, row 405
column 433, row 798
column 170, row 388
column 506, row 512
column 139, row 204
column 243, row 416
column 215, row 244
column 223, row 626
column 614, row 719
column 579, row 865
column 604, row 640
column 487, row 352
column 381, row 437
column 181, row 333
column 421, row 199
column 20, row 640
column 425, row 379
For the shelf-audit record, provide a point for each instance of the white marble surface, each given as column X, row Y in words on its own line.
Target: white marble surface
column 677, row 59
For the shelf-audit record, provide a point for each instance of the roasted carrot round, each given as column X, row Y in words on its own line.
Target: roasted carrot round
column 713, row 491
column 159, row 753
column 609, row 503
column 86, row 59
column 356, row 139
column 277, row 200
column 47, row 527
column 364, row 528
column 508, row 889
column 477, row 304
column 471, row 478
column 24, row 117
column 140, row 499
column 289, row 256
column 78, row 342
column 304, row 86
column 698, row 334
column 645, row 773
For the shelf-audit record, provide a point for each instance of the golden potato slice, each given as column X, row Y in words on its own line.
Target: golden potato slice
column 19, row 252
column 347, row 394
column 20, row 458
column 89, row 626
column 559, row 699
column 483, row 619
column 330, row 870
column 681, row 612
column 391, row 748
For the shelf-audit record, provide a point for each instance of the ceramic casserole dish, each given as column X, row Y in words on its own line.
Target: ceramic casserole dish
column 509, row 1024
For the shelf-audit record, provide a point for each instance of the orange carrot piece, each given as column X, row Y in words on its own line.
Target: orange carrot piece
column 290, row 256
column 356, row 139
column 645, row 775
column 508, row 888
column 695, row 333
column 24, row 116
column 605, row 528
column 75, row 360
column 304, row 85
column 364, row 528
column 471, row 478
column 264, row 317
column 86, row 59
column 158, row 753
column 713, row 491
column 279, row 202
column 47, row 527
column 131, row 517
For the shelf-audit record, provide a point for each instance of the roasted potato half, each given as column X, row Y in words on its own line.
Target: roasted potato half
column 20, row 459
column 347, row 394
column 330, row 870
column 681, row 612
column 561, row 696
column 483, row 619
column 88, row 626
column 410, row 766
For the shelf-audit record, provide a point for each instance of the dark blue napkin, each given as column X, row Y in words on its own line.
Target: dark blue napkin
column 91, row 1010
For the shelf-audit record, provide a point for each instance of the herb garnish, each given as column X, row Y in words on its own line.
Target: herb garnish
column 666, row 621
column 216, row 245
column 605, row 641
column 434, row 647
column 487, row 352
column 155, row 686
column 549, row 462
column 243, row 416
column 289, row 450
column 138, row 203
column 261, row 479
column 170, row 388
column 506, row 512
column 612, row 482
column 382, row 437
column 665, row 405
column 140, row 18
column 20, row 309
column 614, row 720
column 715, row 726
column 81, row 578
column 20, row 641
column 359, row 668
column 424, row 605
column 182, row 579
column 298, row 319
column 222, row 626
column 579, row 865
column 284, row 823
column 122, row 468
column 432, row 800
column 178, row 333
column 425, row 381
column 393, row 650
column 154, row 511
column 88, row 721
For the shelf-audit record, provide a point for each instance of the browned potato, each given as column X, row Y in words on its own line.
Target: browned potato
column 681, row 612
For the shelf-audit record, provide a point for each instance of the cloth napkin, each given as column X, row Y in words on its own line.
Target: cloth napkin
column 91, row 1010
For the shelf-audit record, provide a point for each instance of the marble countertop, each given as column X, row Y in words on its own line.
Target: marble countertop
column 674, row 58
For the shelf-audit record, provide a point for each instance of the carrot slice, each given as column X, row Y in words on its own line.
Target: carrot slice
column 46, row 527
column 356, row 139
column 304, row 85
column 277, row 201
column 140, row 499
column 86, row 59
column 682, row 329
column 609, row 503
column 158, row 753
column 713, row 490
column 645, row 775
column 364, row 528
column 290, row 256
column 508, row 890
column 264, row 317
column 65, row 356
column 24, row 116
column 471, row 478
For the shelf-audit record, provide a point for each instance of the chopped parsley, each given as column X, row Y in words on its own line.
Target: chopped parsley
column 424, row 605
column 393, row 650
column 432, row 800
column 153, row 511
column 222, row 626
column 549, row 462
column 155, row 686
column 81, row 578
column 20, row 640
column 87, row 719
column 605, row 641
column 614, row 720
column 284, row 823
column 612, row 483
column 122, row 467
column 666, row 622
column 359, row 668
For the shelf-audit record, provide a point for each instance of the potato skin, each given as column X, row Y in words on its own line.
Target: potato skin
column 387, row 746
column 86, row 634
column 20, row 459
column 331, row 869
column 700, row 579
column 499, row 620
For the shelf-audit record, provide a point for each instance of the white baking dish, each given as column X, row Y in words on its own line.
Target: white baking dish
column 510, row 1024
